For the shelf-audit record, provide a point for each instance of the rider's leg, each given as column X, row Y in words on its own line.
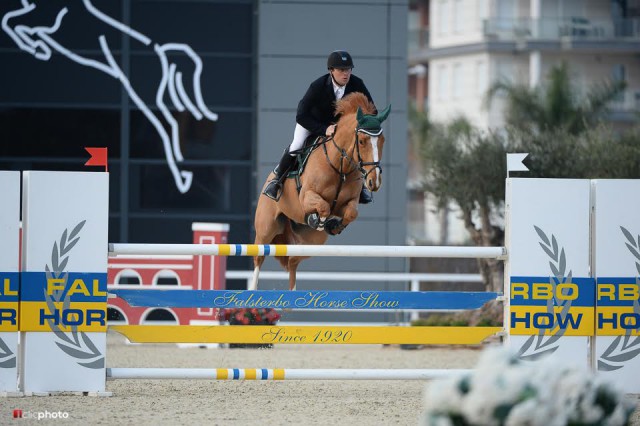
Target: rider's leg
column 273, row 189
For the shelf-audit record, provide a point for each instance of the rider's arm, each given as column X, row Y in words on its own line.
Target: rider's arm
column 304, row 116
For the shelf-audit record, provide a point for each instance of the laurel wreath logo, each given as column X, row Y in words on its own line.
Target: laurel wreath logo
column 75, row 344
column 545, row 343
column 7, row 357
column 624, row 348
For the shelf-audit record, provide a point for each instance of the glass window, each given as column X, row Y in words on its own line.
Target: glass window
column 481, row 78
column 443, row 86
column 59, row 132
column 57, row 80
column 223, row 81
column 216, row 189
column 166, row 277
column 128, row 277
column 458, row 16
column 458, row 81
column 444, row 15
column 228, row 138
column 205, row 26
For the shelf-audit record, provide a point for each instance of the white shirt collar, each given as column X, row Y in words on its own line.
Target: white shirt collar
column 338, row 90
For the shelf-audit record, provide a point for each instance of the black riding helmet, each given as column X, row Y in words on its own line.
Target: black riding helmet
column 339, row 59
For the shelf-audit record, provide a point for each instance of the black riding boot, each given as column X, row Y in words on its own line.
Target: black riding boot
column 365, row 196
column 273, row 189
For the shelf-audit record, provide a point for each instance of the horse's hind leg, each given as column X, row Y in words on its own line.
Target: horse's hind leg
column 257, row 263
column 293, row 268
column 268, row 223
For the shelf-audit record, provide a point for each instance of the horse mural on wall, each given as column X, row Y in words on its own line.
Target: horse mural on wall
column 34, row 31
column 326, row 199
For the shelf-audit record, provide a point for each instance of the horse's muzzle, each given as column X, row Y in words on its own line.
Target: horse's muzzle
column 373, row 178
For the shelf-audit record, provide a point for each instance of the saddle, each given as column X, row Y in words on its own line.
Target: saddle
column 310, row 144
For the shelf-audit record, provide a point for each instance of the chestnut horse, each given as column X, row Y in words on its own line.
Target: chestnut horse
column 327, row 200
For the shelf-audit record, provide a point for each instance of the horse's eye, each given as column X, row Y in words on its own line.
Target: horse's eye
column 361, row 142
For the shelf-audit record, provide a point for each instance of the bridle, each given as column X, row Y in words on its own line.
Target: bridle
column 362, row 164
column 359, row 165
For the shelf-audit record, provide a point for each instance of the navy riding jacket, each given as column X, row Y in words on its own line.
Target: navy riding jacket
column 317, row 106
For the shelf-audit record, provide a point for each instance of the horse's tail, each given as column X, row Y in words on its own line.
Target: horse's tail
column 175, row 59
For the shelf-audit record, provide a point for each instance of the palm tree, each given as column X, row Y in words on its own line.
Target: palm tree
column 557, row 105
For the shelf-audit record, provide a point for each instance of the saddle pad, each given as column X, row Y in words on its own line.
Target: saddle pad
column 301, row 159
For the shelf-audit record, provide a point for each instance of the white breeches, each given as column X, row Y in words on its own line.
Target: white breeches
column 300, row 134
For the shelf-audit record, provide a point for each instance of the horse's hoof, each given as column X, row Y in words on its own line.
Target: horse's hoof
column 316, row 222
column 334, row 225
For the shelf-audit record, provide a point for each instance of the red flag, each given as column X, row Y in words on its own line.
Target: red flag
column 98, row 157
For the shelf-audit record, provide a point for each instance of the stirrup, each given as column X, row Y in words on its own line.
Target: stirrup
column 273, row 185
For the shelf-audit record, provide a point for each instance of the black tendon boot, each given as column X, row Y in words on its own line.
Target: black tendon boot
column 273, row 189
column 365, row 196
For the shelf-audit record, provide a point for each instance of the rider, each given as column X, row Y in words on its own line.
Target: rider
column 315, row 116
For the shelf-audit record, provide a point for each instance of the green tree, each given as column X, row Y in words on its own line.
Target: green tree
column 464, row 166
column 562, row 131
column 555, row 105
column 596, row 153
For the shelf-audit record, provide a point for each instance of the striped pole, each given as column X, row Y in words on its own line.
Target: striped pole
column 277, row 374
column 307, row 250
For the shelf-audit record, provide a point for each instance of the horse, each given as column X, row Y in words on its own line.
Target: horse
column 36, row 30
column 325, row 200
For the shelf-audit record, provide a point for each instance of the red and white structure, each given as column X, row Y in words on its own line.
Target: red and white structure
column 188, row 272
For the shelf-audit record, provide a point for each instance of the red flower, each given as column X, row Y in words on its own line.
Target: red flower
column 249, row 315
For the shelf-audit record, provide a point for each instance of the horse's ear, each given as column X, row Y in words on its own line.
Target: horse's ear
column 384, row 114
column 359, row 114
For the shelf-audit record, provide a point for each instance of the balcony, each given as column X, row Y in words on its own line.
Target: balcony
column 561, row 28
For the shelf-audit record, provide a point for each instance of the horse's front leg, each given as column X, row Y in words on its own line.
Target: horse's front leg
column 316, row 209
column 335, row 225
column 350, row 212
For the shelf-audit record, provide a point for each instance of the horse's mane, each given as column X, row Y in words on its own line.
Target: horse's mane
column 350, row 103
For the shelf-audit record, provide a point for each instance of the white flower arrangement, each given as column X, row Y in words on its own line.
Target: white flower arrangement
column 504, row 390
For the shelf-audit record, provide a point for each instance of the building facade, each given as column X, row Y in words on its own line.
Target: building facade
column 459, row 48
column 474, row 43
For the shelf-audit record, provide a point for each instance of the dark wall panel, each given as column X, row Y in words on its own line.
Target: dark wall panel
column 222, row 28
column 78, row 76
